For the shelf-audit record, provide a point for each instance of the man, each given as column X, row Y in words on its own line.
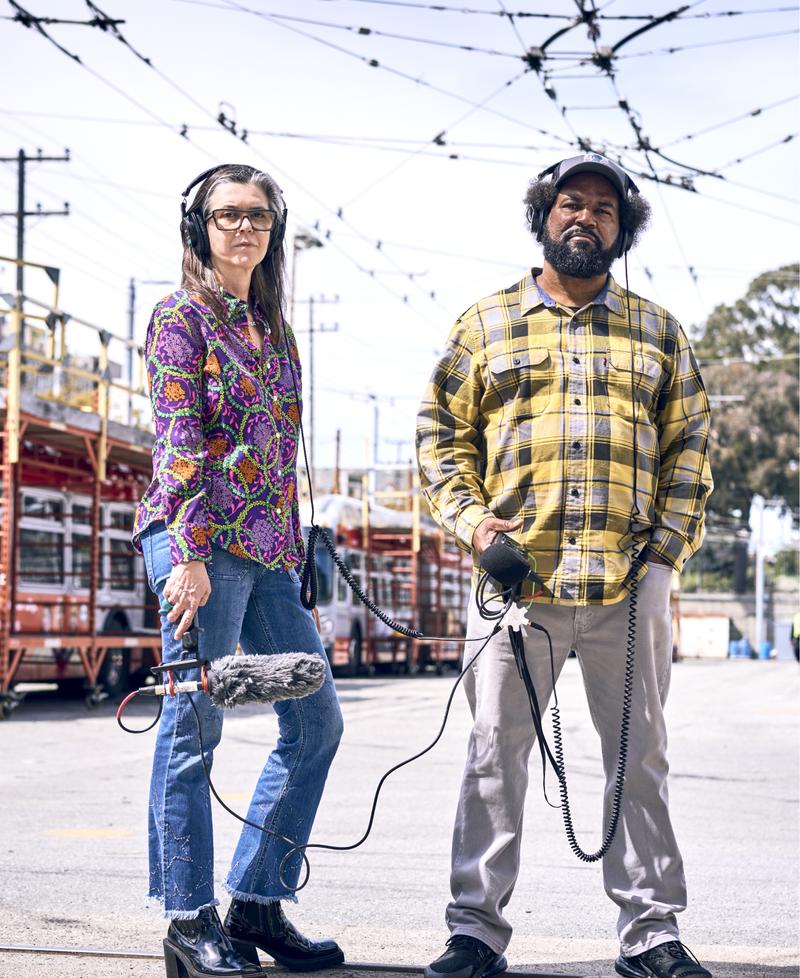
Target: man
column 571, row 413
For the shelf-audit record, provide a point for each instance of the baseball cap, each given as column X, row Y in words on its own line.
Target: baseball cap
column 592, row 163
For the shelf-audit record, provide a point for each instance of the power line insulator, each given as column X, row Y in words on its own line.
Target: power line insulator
column 534, row 58
column 603, row 57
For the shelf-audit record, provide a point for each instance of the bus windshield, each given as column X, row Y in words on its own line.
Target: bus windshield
column 325, row 569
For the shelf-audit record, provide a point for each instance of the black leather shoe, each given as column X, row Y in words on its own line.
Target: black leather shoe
column 200, row 948
column 670, row 960
column 467, row 957
column 264, row 925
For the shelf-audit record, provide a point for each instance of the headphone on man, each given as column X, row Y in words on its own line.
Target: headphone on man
column 194, row 230
column 590, row 163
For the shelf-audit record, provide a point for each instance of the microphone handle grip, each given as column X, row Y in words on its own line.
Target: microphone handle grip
column 186, row 686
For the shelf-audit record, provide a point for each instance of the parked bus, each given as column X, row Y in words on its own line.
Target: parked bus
column 53, row 580
column 408, row 566
column 75, row 454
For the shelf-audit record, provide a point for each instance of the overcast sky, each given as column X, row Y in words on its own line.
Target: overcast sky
column 411, row 236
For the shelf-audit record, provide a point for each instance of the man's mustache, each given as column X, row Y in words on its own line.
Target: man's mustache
column 584, row 232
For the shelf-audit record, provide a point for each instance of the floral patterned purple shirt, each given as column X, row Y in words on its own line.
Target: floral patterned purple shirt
column 226, row 419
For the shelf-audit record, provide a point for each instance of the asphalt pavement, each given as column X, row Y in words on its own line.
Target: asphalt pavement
column 73, row 844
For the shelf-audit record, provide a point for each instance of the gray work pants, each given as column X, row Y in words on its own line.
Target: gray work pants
column 643, row 870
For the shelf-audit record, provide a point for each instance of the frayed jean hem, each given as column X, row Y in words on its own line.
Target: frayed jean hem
column 156, row 903
column 258, row 897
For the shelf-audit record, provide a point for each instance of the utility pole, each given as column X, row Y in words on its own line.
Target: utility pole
column 312, row 329
column 132, row 329
column 301, row 241
column 20, row 213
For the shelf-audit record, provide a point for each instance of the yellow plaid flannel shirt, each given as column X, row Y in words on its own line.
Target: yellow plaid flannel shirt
column 531, row 412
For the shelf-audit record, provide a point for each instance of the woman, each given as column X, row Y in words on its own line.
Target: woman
column 220, row 533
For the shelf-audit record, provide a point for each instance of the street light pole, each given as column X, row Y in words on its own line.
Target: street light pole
column 132, row 330
column 312, row 330
column 302, row 241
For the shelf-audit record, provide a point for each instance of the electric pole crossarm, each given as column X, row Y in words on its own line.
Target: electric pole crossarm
column 21, row 213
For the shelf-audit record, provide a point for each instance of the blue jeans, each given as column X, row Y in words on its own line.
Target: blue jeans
column 260, row 610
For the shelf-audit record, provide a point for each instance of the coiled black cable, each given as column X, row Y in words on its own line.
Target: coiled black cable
column 619, row 783
column 308, row 588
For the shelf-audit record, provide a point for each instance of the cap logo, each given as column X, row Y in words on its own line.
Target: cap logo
column 594, row 158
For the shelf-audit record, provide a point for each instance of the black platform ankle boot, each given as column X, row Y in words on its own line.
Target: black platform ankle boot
column 200, row 948
column 264, row 925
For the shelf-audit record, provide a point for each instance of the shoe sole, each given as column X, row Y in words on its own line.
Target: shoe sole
column 500, row 966
column 497, row 968
column 623, row 968
column 248, row 950
column 179, row 966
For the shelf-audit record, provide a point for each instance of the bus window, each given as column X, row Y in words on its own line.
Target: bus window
column 122, row 566
column 82, row 562
column 82, row 515
column 121, row 519
column 41, row 557
column 43, row 508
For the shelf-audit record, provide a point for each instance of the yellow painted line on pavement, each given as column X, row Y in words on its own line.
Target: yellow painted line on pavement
column 89, row 833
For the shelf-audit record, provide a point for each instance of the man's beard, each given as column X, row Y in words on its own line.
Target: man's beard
column 578, row 262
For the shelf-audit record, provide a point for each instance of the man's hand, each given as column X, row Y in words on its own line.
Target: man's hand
column 487, row 530
column 187, row 589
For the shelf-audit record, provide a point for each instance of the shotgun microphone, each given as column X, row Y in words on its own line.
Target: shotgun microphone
column 234, row 680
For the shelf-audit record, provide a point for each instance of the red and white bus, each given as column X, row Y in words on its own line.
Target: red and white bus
column 408, row 566
column 52, row 588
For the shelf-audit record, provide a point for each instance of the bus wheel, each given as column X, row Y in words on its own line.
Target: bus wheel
column 354, row 646
column 114, row 677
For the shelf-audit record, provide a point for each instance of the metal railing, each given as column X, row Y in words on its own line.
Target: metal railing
column 68, row 361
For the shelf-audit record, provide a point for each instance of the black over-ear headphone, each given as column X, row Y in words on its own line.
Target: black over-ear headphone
column 194, row 231
column 592, row 163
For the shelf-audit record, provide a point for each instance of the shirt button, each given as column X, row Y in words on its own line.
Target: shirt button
column 574, row 492
column 576, row 445
column 576, row 359
column 577, row 400
column 516, row 360
column 278, row 510
column 572, row 540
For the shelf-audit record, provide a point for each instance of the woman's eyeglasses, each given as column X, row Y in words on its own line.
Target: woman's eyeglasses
column 232, row 218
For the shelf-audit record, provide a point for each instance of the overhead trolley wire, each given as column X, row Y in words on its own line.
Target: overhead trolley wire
column 374, row 63
column 184, row 134
column 706, row 16
column 109, row 84
column 69, row 174
column 445, row 8
column 510, row 18
column 758, row 152
column 753, row 113
column 605, row 63
column 707, row 44
column 359, row 30
column 437, row 140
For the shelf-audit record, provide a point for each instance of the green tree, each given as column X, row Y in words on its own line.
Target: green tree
column 749, row 350
column 765, row 322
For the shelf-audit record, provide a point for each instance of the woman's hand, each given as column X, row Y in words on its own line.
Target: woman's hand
column 187, row 589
